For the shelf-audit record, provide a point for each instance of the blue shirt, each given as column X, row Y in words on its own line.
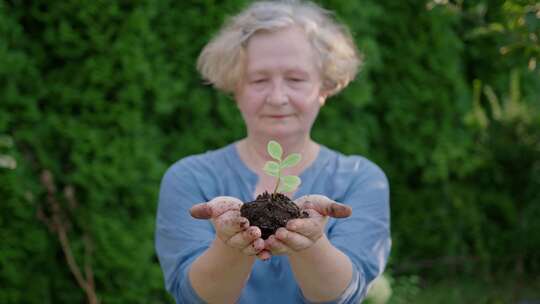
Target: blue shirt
column 364, row 237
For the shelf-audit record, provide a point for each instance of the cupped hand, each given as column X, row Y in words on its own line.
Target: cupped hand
column 231, row 228
column 302, row 233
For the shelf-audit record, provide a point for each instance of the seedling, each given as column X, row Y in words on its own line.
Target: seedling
column 287, row 183
column 271, row 211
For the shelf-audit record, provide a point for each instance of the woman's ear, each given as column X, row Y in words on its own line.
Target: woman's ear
column 322, row 97
column 322, row 100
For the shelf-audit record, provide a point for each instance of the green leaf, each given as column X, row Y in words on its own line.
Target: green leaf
column 285, row 188
column 289, row 183
column 271, row 168
column 292, row 160
column 275, row 150
column 6, row 141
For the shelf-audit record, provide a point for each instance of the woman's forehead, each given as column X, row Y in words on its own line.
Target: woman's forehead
column 287, row 47
column 286, row 36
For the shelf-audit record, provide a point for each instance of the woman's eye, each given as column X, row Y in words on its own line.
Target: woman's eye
column 295, row 79
column 262, row 80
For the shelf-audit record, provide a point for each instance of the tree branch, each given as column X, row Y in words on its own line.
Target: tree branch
column 58, row 224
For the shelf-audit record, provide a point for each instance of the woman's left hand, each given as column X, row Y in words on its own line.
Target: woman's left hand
column 302, row 233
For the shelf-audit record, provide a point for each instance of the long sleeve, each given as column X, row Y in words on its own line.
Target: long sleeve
column 365, row 236
column 179, row 239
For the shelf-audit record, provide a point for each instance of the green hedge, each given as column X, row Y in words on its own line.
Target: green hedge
column 105, row 95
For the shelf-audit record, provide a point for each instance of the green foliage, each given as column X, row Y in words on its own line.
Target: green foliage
column 510, row 289
column 471, row 198
column 6, row 161
column 105, row 95
column 286, row 183
column 404, row 290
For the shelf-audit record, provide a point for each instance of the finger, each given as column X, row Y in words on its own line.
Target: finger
column 293, row 240
column 310, row 227
column 275, row 246
column 331, row 209
column 201, row 211
column 313, row 214
column 254, row 248
column 301, row 201
column 264, row 255
column 231, row 222
column 244, row 238
column 215, row 207
column 338, row 210
column 222, row 204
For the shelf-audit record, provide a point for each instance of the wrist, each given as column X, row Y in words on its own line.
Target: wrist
column 319, row 247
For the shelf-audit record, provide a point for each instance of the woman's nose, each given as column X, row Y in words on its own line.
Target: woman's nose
column 277, row 95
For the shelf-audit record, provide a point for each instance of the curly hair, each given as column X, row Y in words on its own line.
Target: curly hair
column 222, row 60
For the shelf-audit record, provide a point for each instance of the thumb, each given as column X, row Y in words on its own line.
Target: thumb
column 201, row 211
column 331, row 209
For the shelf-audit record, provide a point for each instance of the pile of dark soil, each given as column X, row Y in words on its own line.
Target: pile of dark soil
column 271, row 211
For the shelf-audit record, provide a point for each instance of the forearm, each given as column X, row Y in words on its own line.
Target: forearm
column 322, row 271
column 220, row 273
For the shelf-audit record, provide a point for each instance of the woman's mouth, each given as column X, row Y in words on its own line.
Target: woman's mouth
column 278, row 116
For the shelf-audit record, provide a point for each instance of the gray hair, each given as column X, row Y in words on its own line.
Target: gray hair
column 222, row 61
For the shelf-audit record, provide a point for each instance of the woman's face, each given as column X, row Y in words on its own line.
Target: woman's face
column 281, row 91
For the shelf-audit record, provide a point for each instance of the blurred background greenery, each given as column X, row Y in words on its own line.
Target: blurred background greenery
column 98, row 98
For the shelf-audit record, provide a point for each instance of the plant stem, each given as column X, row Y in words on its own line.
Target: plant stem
column 278, row 178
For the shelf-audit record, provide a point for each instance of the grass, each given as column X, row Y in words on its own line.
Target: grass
column 508, row 289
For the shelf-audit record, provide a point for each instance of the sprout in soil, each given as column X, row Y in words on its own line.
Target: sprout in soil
column 286, row 183
column 271, row 211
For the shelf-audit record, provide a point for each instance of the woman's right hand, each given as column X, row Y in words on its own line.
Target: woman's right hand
column 231, row 228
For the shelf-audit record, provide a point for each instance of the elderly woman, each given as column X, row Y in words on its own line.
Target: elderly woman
column 280, row 60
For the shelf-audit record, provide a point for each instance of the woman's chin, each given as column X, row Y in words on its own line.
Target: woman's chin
column 282, row 133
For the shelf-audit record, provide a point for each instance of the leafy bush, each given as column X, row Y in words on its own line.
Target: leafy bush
column 104, row 96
